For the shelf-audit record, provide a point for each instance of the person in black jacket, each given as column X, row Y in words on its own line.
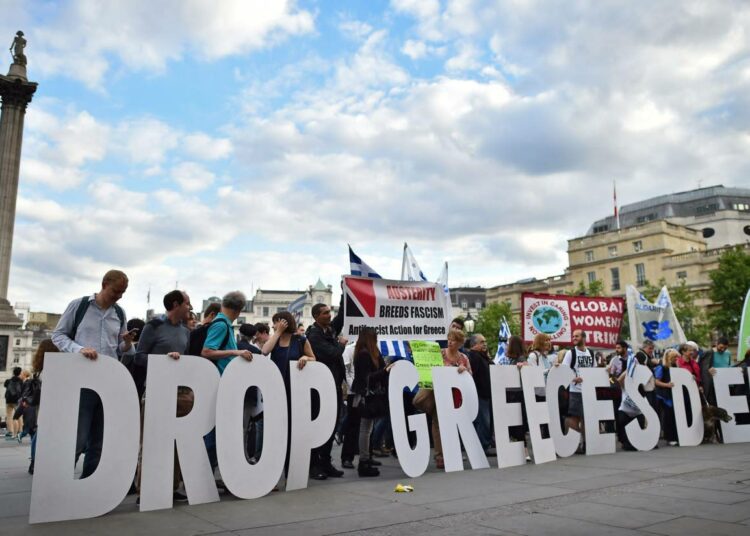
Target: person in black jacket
column 328, row 349
column 369, row 372
column 480, row 366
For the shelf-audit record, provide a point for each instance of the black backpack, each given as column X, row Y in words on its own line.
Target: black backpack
column 198, row 336
column 81, row 312
column 13, row 390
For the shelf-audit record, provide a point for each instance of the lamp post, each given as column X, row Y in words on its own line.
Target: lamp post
column 469, row 324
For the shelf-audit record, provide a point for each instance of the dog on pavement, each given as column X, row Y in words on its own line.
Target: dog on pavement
column 711, row 417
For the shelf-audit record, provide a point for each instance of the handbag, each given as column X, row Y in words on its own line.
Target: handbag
column 375, row 402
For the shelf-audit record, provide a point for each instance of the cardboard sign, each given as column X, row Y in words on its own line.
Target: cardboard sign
column 426, row 355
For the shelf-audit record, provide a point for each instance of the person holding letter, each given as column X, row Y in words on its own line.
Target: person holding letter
column 575, row 358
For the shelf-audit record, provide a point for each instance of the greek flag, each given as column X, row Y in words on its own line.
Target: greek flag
column 502, row 340
column 360, row 267
column 297, row 306
column 631, row 363
column 410, row 270
column 394, row 349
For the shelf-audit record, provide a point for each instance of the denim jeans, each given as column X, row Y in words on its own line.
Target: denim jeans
column 90, row 431
column 482, row 424
column 210, row 440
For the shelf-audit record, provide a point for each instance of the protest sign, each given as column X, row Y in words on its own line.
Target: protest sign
column 560, row 316
column 426, row 355
column 396, row 310
column 57, row 495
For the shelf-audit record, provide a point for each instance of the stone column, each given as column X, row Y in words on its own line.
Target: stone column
column 16, row 92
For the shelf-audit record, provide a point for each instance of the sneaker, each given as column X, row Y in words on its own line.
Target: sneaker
column 220, row 486
column 380, row 453
column 375, row 463
column 581, row 449
column 490, row 452
column 672, row 443
column 347, row 464
column 179, row 497
column 331, row 471
column 31, row 467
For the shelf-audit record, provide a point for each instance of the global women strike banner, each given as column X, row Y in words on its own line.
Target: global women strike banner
column 560, row 316
column 396, row 310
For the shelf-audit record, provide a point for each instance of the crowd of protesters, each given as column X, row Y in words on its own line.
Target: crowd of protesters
column 96, row 326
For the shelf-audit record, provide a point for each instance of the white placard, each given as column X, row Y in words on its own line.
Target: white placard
column 537, row 415
column 307, row 433
column 689, row 436
column 162, row 430
column 595, row 410
column 455, row 422
column 731, row 431
column 414, row 461
column 55, row 494
column 244, row 480
column 646, row 438
column 565, row 444
column 506, row 415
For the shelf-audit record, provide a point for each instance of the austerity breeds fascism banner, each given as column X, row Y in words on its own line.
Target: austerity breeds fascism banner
column 560, row 316
column 396, row 310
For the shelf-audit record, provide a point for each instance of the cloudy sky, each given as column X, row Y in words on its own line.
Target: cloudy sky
column 243, row 143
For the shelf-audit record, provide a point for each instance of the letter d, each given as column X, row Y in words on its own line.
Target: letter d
column 55, row 494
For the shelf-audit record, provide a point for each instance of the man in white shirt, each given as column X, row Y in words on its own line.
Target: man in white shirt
column 95, row 325
column 576, row 358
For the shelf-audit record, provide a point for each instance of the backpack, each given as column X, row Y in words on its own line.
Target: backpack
column 81, row 312
column 198, row 336
column 13, row 390
column 32, row 391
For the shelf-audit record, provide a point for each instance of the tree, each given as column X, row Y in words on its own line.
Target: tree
column 729, row 284
column 488, row 323
column 595, row 288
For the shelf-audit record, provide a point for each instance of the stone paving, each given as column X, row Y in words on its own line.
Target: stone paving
column 698, row 490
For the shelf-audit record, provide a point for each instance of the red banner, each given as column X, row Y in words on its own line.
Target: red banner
column 559, row 316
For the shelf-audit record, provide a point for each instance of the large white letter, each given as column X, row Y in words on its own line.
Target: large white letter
column 565, row 444
column 306, row 432
column 504, row 377
column 732, row 432
column 693, row 435
column 55, row 494
column 457, row 422
column 242, row 479
column 162, row 428
column 647, row 438
column 537, row 414
column 595, row 410
column 414, row 461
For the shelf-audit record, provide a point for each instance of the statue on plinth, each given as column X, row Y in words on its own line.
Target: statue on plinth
column 19, row 43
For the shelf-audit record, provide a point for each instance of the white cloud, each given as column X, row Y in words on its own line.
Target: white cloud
column 414, row 49
column 145, row 140
column 355, row 29
column 192, row 177
column 466, row 59
column 84, row 36
column 204, row 147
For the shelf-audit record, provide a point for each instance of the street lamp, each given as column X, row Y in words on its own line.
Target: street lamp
column 469, row 324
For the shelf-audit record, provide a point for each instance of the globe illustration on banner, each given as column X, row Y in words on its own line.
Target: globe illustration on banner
column 547, row 320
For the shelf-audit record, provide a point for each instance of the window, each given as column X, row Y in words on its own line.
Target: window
column 637, row 246
column 708, row 232
column 265, row 311
column 477, row 305
column 18, row 342
column 601, row 228
column 615, row 274
column 464, row 304
column 613, row 251
column 741, row 206
column 640, row 274
column 707, row 209
column 591, row 276
column 589, row 256
column 280, row 309
column 646, row 217
column 681, row 275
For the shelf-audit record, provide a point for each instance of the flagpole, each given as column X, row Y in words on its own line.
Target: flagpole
column 617, row 212
column 403, row 263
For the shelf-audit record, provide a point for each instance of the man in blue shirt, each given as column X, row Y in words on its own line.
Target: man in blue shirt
column 221, row 347
column 95, row 325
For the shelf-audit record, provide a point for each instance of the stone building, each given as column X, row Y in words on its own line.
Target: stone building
column 674, row 237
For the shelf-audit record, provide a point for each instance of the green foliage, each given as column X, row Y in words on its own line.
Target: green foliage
column 488, row 323
column 729, row 285
column 595, row 288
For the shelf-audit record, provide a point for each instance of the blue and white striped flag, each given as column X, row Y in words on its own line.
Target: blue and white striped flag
column 631, row 363
column 360, row 267
column 410, row 270
column 502, row 340
column 297, row 306
column 394, row 349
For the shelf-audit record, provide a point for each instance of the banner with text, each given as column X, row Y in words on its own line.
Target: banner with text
column 559, row 316
column 396, row 310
